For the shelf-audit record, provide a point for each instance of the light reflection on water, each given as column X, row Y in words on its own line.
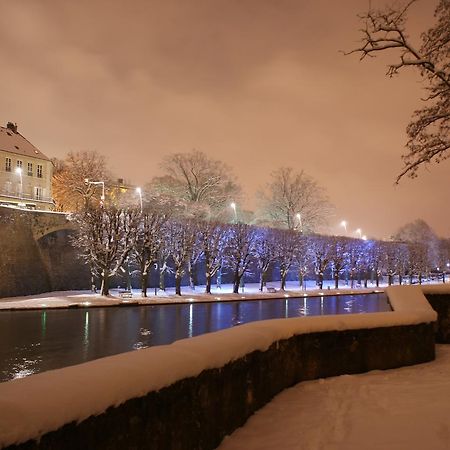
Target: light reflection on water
column 35, row 341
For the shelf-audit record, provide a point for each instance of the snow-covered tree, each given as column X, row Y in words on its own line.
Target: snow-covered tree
column 180, row 237
column 338, row 256
column 265, row 252
column 429, row 130
column 71, row 192
column 212, row 242
column 302, row 258
column 240, row 251
column 294, row 201
column 105, row 238
column 320, row 253
column 286, row 252
column 206, row 185
column 150, row 238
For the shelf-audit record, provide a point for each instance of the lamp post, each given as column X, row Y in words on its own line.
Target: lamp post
column 300, row 223
column 233, row 207
column 344, row 224
column 19, row 172
column 359, row 232
column 139, row 192
column 96, row 183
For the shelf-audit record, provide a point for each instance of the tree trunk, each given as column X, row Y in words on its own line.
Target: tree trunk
column 208, row 283
column 377, row 279
column 283, row 275
column 420, row 278
column 389, row 279
column 162, row 281
column 144, row 283
column 301, row 279
column 236, row 282
column 262, row 280
column 336, row 279
column 177, row 283
column 192, row 276
column 320, row 283
column 400, row 280
column 105, row 283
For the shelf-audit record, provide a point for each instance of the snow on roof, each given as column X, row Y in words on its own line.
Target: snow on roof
column 33, row 406
column 13, row 142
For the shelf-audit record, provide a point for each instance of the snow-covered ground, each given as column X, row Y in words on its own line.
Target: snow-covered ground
column 64, row 299
column 402, row 409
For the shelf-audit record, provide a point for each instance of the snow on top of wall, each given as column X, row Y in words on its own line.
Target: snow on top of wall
column 33, row 406
column 436, row 288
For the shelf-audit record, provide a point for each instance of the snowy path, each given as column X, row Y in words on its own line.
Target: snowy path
column 402, row 409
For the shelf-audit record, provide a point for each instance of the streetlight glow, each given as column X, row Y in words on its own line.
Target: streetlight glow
column 233, row 207
column 344, row 224
column 19, row 172
column 139, row 192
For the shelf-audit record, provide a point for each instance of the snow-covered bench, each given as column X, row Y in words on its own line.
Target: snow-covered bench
column 125, row 294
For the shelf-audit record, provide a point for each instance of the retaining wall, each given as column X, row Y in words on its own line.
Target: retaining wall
column 192, row 393
column 32, row 266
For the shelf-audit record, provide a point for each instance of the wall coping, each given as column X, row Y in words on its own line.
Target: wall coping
column 33, row 406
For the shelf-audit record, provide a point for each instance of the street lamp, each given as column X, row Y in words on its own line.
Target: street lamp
column 233, row 207
column 139, row 192
column 96, row 183
column 359, row 232
column 300, row 223
column 344, row 224
column 19, row 172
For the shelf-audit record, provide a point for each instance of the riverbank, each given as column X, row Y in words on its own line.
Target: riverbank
column 87, row 299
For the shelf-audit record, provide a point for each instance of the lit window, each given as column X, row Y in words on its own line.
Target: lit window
column 39, row 171
column 8, row 164
column 30, row 169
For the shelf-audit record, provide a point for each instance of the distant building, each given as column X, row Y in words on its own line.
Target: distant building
column 25, row 172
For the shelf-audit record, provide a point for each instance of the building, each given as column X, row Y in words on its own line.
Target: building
column 25, row 172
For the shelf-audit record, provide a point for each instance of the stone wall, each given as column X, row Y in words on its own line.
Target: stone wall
column 198, row 412
column 32, row 266
column 441, row 304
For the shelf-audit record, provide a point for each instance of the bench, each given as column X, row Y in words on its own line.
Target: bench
column 125, row 294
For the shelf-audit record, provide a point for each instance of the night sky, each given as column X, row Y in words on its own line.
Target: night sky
column 258, row 84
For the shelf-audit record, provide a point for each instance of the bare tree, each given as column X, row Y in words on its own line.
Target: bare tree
column 180, row 239
column 240, row 251
column 419, row 232
column 320, row 253
column 150, row 237
column 265, row 252
column 302, row 258
column 105, row 238
column 338, row 256
column 212, row 241
column 205, row 184
column 294, row 201
column 286, row 252
column 429, row 130
column 70, row 190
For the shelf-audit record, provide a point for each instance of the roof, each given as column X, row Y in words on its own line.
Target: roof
column 13, row 142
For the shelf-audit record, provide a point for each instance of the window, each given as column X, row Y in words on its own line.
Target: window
column 30, row 169
column 19, row 163
column 39, row 171
column 8, row 164
column 38, row 192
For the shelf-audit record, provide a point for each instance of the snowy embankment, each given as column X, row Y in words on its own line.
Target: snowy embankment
column 35, row 405
column 401, row 409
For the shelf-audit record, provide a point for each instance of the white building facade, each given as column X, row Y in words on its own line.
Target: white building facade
column 25, row 172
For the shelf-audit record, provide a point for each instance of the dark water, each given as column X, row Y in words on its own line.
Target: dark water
column 35, row 341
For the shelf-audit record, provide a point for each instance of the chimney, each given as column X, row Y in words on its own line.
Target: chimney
column 12, row 126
